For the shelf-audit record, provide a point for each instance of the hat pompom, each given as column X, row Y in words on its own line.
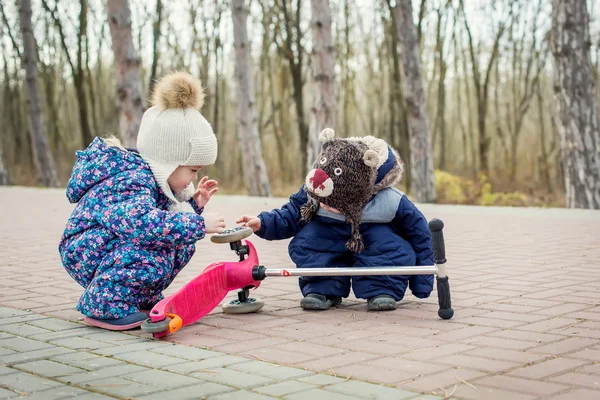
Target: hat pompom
column 178, row 90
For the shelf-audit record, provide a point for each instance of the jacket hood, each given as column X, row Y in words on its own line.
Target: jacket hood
column 97, row 163
column 390, row 166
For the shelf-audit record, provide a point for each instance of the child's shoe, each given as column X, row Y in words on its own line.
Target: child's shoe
column 383, row 302
column 315, row 301
column 131, row 321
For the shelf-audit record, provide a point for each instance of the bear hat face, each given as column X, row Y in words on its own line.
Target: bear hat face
column 343, row 175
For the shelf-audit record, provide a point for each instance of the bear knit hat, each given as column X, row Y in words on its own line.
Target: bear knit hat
column 345, row 176
column 173, row 133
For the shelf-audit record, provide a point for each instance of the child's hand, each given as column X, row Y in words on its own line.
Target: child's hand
column 250, row 221
column 214, row 223
column 206, row 188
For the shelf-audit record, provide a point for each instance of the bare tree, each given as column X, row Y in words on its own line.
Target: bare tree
column 77, row 69
column 323, row 67
column 422, row 182
column 130, row 101
column 255, row 171
column 4, row 177
column 482, row 88
column 155, row 48
column 575, row 102
column 293, row 51
column 44, row 162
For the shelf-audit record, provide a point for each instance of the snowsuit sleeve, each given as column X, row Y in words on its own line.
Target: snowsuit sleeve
column 133, row 215
column 412, row 225
column 285, row 222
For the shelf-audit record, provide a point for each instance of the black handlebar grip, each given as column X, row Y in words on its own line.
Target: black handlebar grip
column 259, row 272
column 443, row 289
column 437, row 238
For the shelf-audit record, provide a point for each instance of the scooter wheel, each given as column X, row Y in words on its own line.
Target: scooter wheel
column 243, row 307
column 156, row 327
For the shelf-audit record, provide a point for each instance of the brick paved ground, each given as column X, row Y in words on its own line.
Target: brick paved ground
column 527, row 321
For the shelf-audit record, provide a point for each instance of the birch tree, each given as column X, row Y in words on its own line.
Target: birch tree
column 42, row 157
column 254, row 169
column 575, row 103
column 422, row 179
column 130, row 101
column 4, row 177
column 323, row 69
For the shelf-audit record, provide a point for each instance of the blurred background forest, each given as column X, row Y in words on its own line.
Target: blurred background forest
column 486, row 68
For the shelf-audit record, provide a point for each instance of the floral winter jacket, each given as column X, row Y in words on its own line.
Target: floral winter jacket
column 120, row 204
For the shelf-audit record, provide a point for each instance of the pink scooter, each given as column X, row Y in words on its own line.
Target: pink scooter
column 203, row 293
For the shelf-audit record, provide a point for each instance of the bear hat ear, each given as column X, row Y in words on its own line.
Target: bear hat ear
column 326, row 135
column 371, row 158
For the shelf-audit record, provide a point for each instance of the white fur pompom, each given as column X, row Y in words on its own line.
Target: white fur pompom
column 178, row 90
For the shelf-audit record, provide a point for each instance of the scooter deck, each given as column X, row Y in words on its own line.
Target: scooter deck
column 204, row 293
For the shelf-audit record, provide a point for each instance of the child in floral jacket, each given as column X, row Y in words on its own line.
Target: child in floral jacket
column 138, row 215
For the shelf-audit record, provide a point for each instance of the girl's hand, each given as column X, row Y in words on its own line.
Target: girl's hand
column 250, row 221
column 214, row 223
column 206, row 188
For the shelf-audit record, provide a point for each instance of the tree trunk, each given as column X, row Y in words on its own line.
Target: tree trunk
column 255, row 171
column 294, row 53
column 422, row 183
column 4, row 177
column 399, row 132
column 130, row 101
column 323, row 66
column 575, row 103
column 544, row 166
column 44, row 162
column 155, row 49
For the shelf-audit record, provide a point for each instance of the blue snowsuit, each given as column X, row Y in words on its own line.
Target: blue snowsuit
column 394, row 231
column 121, row 243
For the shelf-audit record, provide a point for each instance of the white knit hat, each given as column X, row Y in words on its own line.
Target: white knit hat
column 174, row 133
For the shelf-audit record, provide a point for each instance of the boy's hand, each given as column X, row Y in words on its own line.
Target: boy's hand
column 250, row 221
column 206, row 188
column 214, row 223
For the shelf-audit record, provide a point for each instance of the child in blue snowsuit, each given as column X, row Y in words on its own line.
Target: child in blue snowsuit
column 349, row 214
column 138, row 215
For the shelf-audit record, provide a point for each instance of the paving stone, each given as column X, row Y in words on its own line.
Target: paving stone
column 321, row 379
column 186, row 352
column 54, row 324
column 87, row 361
column 201, row 391
column 226, row 376
column 209, row 363
column 6, row 370
column 47, row 368
column 93, row 396
column 241, row 394
column 369, row 391
column 276, row 372
column 119, row 387
column 17, row 357
column 26, row 383
column 116, row 370
column 25, row 330
column 8, row 394
column 282, row 388
column 116, row 338
column 6, row 312
column 111, row 350
column 59, row 393
column 161, row 379
column 22, row 344
column 149, row 358
column 578, row 394
column 319, row 394
column 5, row 352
